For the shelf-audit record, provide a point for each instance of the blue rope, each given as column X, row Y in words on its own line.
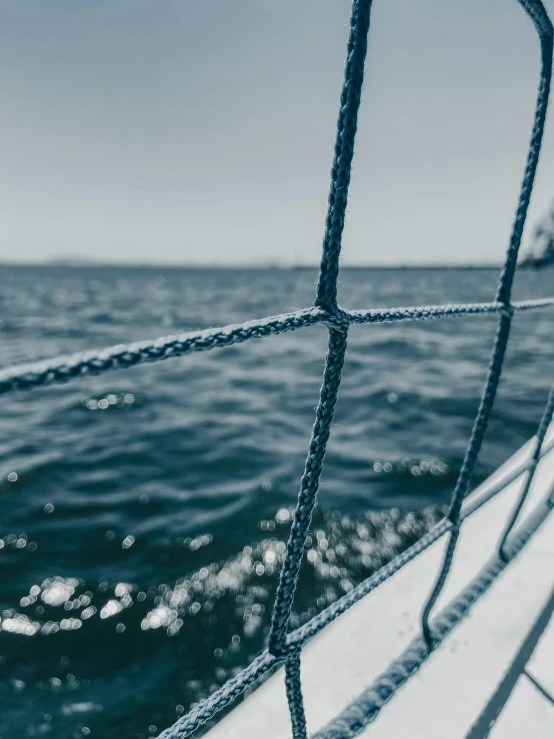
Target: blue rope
column 63, row 369
column 537, row 13
column 266, row 662
column 293, row 687
column 338, row 328
column 539, row 440
column 220, row 698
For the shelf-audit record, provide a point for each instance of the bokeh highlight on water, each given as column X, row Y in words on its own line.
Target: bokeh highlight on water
column 143, row 514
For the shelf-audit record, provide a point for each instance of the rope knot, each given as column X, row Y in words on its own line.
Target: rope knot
column 285, row 651
column 507, row 309
column 292, row 651
column 336, row 318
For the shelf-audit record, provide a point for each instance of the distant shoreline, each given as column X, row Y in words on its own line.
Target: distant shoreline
column 77, row 264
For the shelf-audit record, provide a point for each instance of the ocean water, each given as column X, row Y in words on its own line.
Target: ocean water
column 143, row 513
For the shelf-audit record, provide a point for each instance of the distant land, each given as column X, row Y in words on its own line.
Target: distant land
column 82, row 262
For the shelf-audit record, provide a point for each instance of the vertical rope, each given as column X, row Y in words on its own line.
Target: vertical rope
column 344, row 151
column 466, row 472
column 293, row 686
column 326, row 298
column 308, row 491
column 537, row 13
column 539, row 440
column 508, row 271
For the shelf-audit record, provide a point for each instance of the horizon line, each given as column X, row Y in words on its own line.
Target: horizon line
column 92, row 263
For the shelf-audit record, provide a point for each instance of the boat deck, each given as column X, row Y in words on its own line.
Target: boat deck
column 523, row 704
column 493, row 676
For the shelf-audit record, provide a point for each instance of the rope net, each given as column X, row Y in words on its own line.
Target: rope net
column 284, row 647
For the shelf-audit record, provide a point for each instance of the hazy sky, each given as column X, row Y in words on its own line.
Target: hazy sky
column 202, row 131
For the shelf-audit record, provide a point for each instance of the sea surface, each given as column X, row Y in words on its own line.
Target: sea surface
column 143, row 513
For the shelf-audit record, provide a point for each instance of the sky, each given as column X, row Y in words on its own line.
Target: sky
column 178, row 131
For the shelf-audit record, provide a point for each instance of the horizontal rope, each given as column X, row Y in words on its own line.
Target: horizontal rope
column 225, row 695
column 423, row 313
column 220, row 698
column 66, row 368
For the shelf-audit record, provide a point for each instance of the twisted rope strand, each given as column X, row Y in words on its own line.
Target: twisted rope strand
column 428, row 312
column 221, row 698
column 344, row 152
column 539, row 440
column 63, row 369
column 296, row 639
column 295, row 700
column 466, row 472
column 508, row 271
column 66, row 368
column 308, row 491
column 537, row 13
